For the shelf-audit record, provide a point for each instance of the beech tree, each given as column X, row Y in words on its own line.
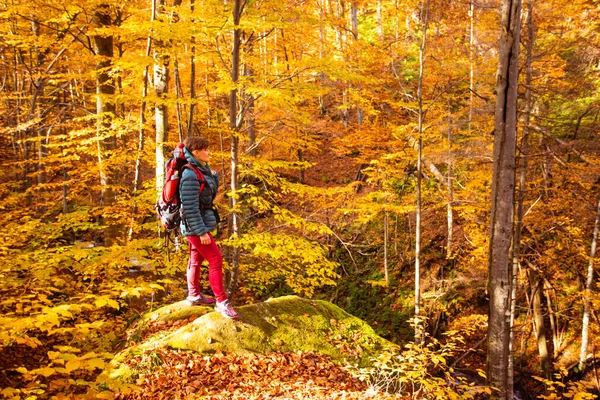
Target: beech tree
column 499, row 374
column 104, row 17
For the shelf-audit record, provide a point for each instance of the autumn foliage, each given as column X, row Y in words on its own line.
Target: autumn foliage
column 95, row 94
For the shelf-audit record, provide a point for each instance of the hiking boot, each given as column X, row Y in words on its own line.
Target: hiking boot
column 199, row 300
column 225, row 309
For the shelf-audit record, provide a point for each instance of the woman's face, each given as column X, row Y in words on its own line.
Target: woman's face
column 202, row 155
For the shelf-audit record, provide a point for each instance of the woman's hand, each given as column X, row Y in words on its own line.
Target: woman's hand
column 205, row 239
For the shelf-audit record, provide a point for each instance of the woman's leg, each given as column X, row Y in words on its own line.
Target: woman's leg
column 212, row 254
column 193, row 268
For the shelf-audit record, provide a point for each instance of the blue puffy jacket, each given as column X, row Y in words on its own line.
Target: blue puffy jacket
column 198, row 218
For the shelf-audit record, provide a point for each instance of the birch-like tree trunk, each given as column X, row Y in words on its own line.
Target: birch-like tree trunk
column 587, row 304
column 138, row 158
column 37, row 87
column 252, row 149
column 234, row 124
column 471, row 60
column 386, row 230
column 190, row 130
column 424, row 24
column 449, row 206
column 354, row 18
column 161, row 88
column 380, row 20
column 503, row 190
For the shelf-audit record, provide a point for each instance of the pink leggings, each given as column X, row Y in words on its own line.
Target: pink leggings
column 198, row 253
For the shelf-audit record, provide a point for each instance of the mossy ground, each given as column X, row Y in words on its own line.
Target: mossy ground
column 285, row 324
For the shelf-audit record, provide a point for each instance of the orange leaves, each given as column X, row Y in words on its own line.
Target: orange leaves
column 290, row 375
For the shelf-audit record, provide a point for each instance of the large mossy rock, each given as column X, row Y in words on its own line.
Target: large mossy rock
column 285, row 324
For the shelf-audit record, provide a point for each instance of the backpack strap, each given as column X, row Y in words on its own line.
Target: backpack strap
column 199, row 175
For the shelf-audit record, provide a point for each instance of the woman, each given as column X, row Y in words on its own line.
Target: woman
column 198, row 220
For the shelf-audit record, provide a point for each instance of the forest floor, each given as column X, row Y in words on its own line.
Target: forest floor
column 161, row 372
column 300, row 375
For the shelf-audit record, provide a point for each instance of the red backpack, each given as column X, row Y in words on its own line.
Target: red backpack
column 168, row 205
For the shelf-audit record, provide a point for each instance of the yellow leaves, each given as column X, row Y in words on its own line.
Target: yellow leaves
column 583, row 396
column 96, row 363
column 9, row 392
column 90, row 361
column 72, row 365
column 142, row 289
column 301, row 263
column 106, row 301
column 50, row 320
column 46, row 371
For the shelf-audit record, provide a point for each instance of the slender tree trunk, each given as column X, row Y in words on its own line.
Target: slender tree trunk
column 178, row 96
column 587, row 303
column 471, row 60
column 386, row 229
column 234, row 124
column 341, row 39
column 105, row 108
column 354, row 17
column 140, row 150
column 556, row 340
column 161, row 88
column 534, row 280
column 424, row 24
column 379, row 20
column 37, row 86
column 503, row 189
column 249, row 102
column 190, row 130
column 536, row 288
column 449, row 211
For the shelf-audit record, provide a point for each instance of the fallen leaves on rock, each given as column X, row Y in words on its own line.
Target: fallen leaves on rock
column 153, row 326
column 168, row 374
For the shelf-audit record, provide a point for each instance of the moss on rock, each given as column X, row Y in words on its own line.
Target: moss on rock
column 284, row 324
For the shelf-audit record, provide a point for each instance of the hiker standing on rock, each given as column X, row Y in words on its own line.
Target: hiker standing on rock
column 199, row 218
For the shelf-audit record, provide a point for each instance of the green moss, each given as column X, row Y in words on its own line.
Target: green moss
column 284, row 324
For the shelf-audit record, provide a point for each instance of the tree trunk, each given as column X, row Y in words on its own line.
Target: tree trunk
column 449, row 213
column 354, row 17
column 138, row 158
column 503, row 189
column 161, row 88
column 587, row 304
column 471, row 60
column 105, row 109
column 178, row 96
column 190, row 130
column 424, row 24
column 536, row 287
column 379, row 20
column 249, row 103
column 386, row 229
column 234, row 125
column 37, row 86
column 534, row 279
